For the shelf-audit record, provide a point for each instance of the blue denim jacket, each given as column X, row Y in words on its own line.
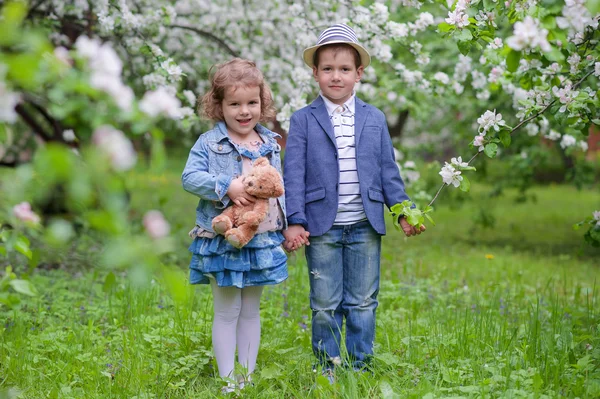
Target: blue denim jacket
column 214, row 161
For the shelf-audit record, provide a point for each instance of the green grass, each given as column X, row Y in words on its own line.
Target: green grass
column 464, row 312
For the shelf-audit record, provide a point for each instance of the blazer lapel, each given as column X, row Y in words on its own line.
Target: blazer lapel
column 319, row 110
column 360, row 117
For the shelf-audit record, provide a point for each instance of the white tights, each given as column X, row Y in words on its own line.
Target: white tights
column 236, row 323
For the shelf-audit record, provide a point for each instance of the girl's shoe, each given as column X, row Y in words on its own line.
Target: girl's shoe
column 243, row 380
column 229, row 388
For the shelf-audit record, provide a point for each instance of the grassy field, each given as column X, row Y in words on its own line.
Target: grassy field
column 509, row 312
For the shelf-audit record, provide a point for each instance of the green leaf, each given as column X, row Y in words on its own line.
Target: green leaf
column 464, row 47
column 429, row 218
column 109, row 282
column 464, row 35
column 491, row 149
column 554, row 55
column 445, row 27
column 596, row 122
column 512, row 60
column 23, row 287
column 505, row 137
column 22, row 246
column 2, row 250
column 465, row 184
column 272, row 371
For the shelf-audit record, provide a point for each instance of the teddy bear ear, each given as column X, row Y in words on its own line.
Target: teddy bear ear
column 261, row 162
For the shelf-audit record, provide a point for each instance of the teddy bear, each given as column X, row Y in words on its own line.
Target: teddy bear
column 239, row 223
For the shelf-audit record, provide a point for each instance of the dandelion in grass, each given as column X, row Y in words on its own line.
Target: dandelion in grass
column 489, row 256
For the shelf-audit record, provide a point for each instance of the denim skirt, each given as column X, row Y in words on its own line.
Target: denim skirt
column 260, row 262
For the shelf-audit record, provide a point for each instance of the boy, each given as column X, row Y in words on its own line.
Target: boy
column 339, row 171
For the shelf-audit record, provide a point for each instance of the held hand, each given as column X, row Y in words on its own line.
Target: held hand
column 410, row 230
column 295, row 237
column 238, row 194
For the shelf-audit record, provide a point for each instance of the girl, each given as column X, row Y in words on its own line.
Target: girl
column 238, row 99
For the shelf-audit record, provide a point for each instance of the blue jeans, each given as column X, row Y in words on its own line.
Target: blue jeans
column 343, row 266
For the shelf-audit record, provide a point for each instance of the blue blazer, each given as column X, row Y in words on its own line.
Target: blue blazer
column 311, row 170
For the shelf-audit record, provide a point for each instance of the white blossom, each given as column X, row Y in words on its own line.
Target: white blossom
column 23, row 212
column 528, row 35
column 8, row 102
column 397, row 30
column 532, row 129
column 458, row 163
column 490, row 120
column 116, row 146
column 450, row 175
column 458, row 18
column 596, row 216
column 597, row 69
column 478, row 142
column 190, row 97
column 583, row 145
column 160, row 102
column 69, row 135
column 156, row 225
column 496, row 43
column 574, row 60
column 552, row 135
column 565, row 95
column 567, row 141
column 441, row 77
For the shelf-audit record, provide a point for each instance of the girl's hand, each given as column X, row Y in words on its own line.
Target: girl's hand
column 238, row 194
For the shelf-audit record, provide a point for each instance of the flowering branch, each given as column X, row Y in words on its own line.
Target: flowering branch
column 525, row 121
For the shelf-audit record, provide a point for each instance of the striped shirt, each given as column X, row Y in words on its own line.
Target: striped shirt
column 350, row 207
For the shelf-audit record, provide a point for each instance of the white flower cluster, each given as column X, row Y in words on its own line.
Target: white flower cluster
column 161, row 101
column 105, row 66
column 596, row 216
column 490, row 120
column 115, row 146
column 528, row 35
column 576, row 17
column 459, row 16
column 451, row 174
column 565, row 95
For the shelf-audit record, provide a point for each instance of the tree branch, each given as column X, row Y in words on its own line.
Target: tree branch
column 210, row 36
column 576, row 85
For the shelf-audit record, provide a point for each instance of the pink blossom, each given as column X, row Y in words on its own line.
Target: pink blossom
column 23, row 212
column 155, row 224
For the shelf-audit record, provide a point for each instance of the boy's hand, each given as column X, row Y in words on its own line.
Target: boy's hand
column 237, row 193
column 410, row 230
column 295, row 237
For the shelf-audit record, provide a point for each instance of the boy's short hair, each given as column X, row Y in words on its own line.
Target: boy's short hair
column 337, row 47
column 235, row 73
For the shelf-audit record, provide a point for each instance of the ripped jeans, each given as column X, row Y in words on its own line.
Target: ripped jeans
column 343, row 266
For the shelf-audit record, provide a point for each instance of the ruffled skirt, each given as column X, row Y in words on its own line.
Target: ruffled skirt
column 261, row 262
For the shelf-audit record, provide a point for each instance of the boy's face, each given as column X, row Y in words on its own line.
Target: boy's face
column 337, row 74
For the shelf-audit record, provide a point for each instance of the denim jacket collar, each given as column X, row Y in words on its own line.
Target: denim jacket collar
column 267, row 136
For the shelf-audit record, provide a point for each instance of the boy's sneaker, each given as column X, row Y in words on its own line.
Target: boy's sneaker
column 327, row 373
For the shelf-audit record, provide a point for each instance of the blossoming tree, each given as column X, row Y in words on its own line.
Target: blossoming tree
column 93, row 76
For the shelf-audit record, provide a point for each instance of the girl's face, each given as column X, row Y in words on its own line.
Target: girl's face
column 241, row 111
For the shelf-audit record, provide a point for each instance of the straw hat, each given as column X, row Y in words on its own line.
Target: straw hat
column 339, row 33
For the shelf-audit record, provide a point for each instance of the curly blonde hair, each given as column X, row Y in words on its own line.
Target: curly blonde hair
column 236, row 73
